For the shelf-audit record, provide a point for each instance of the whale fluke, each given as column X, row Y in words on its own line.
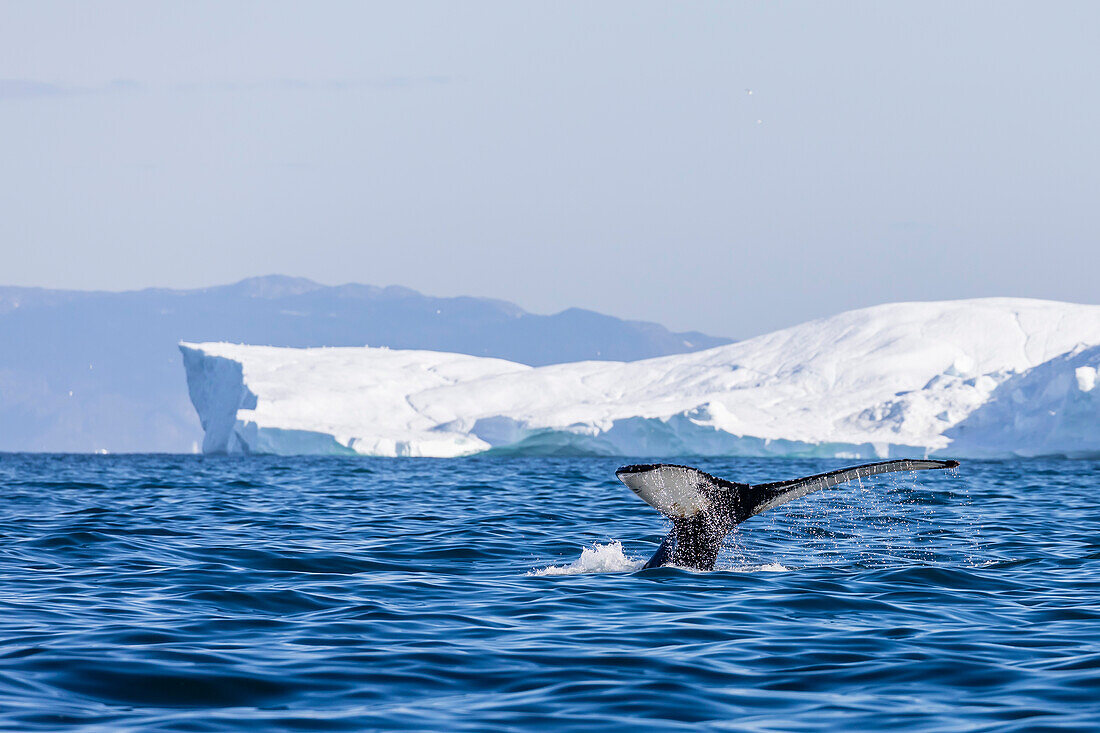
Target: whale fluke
column 704, row 508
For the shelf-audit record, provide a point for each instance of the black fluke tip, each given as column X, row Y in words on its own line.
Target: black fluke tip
column 643, row 467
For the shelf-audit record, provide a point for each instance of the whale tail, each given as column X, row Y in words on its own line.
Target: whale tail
column 704, row 508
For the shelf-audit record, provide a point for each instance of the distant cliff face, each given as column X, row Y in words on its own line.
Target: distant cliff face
column 995, row 377
column 83, row 371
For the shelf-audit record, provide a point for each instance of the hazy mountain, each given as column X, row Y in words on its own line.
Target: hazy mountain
column 83, row 371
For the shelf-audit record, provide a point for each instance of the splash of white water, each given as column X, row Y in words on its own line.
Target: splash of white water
column 599, row 558
column 610, row 558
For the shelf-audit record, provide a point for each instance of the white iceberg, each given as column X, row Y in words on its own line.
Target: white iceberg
column 987, row 377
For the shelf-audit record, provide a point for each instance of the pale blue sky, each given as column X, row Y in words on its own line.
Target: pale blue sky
column 605, row 155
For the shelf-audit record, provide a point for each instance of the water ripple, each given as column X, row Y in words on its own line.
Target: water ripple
column 204, row 593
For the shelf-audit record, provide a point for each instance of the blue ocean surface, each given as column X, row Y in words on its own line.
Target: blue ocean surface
column 208, row 593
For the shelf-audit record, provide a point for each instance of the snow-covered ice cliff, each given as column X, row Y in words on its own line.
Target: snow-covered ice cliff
column 988, row 377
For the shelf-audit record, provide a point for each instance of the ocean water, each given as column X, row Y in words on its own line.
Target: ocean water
column 210, row 593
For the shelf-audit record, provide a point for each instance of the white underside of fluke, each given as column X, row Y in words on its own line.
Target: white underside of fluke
column 674, row 491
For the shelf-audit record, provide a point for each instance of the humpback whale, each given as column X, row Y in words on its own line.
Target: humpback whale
column 704, row 508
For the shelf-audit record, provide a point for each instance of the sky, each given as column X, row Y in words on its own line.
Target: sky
column 731, row 167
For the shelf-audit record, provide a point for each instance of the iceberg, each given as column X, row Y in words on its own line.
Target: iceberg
column 1053, row 409
column 991, row 377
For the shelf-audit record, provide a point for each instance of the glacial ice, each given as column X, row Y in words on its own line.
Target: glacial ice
column 993, row 377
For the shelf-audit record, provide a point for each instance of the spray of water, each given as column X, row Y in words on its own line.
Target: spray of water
column 608, row 558
column 611, row 558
